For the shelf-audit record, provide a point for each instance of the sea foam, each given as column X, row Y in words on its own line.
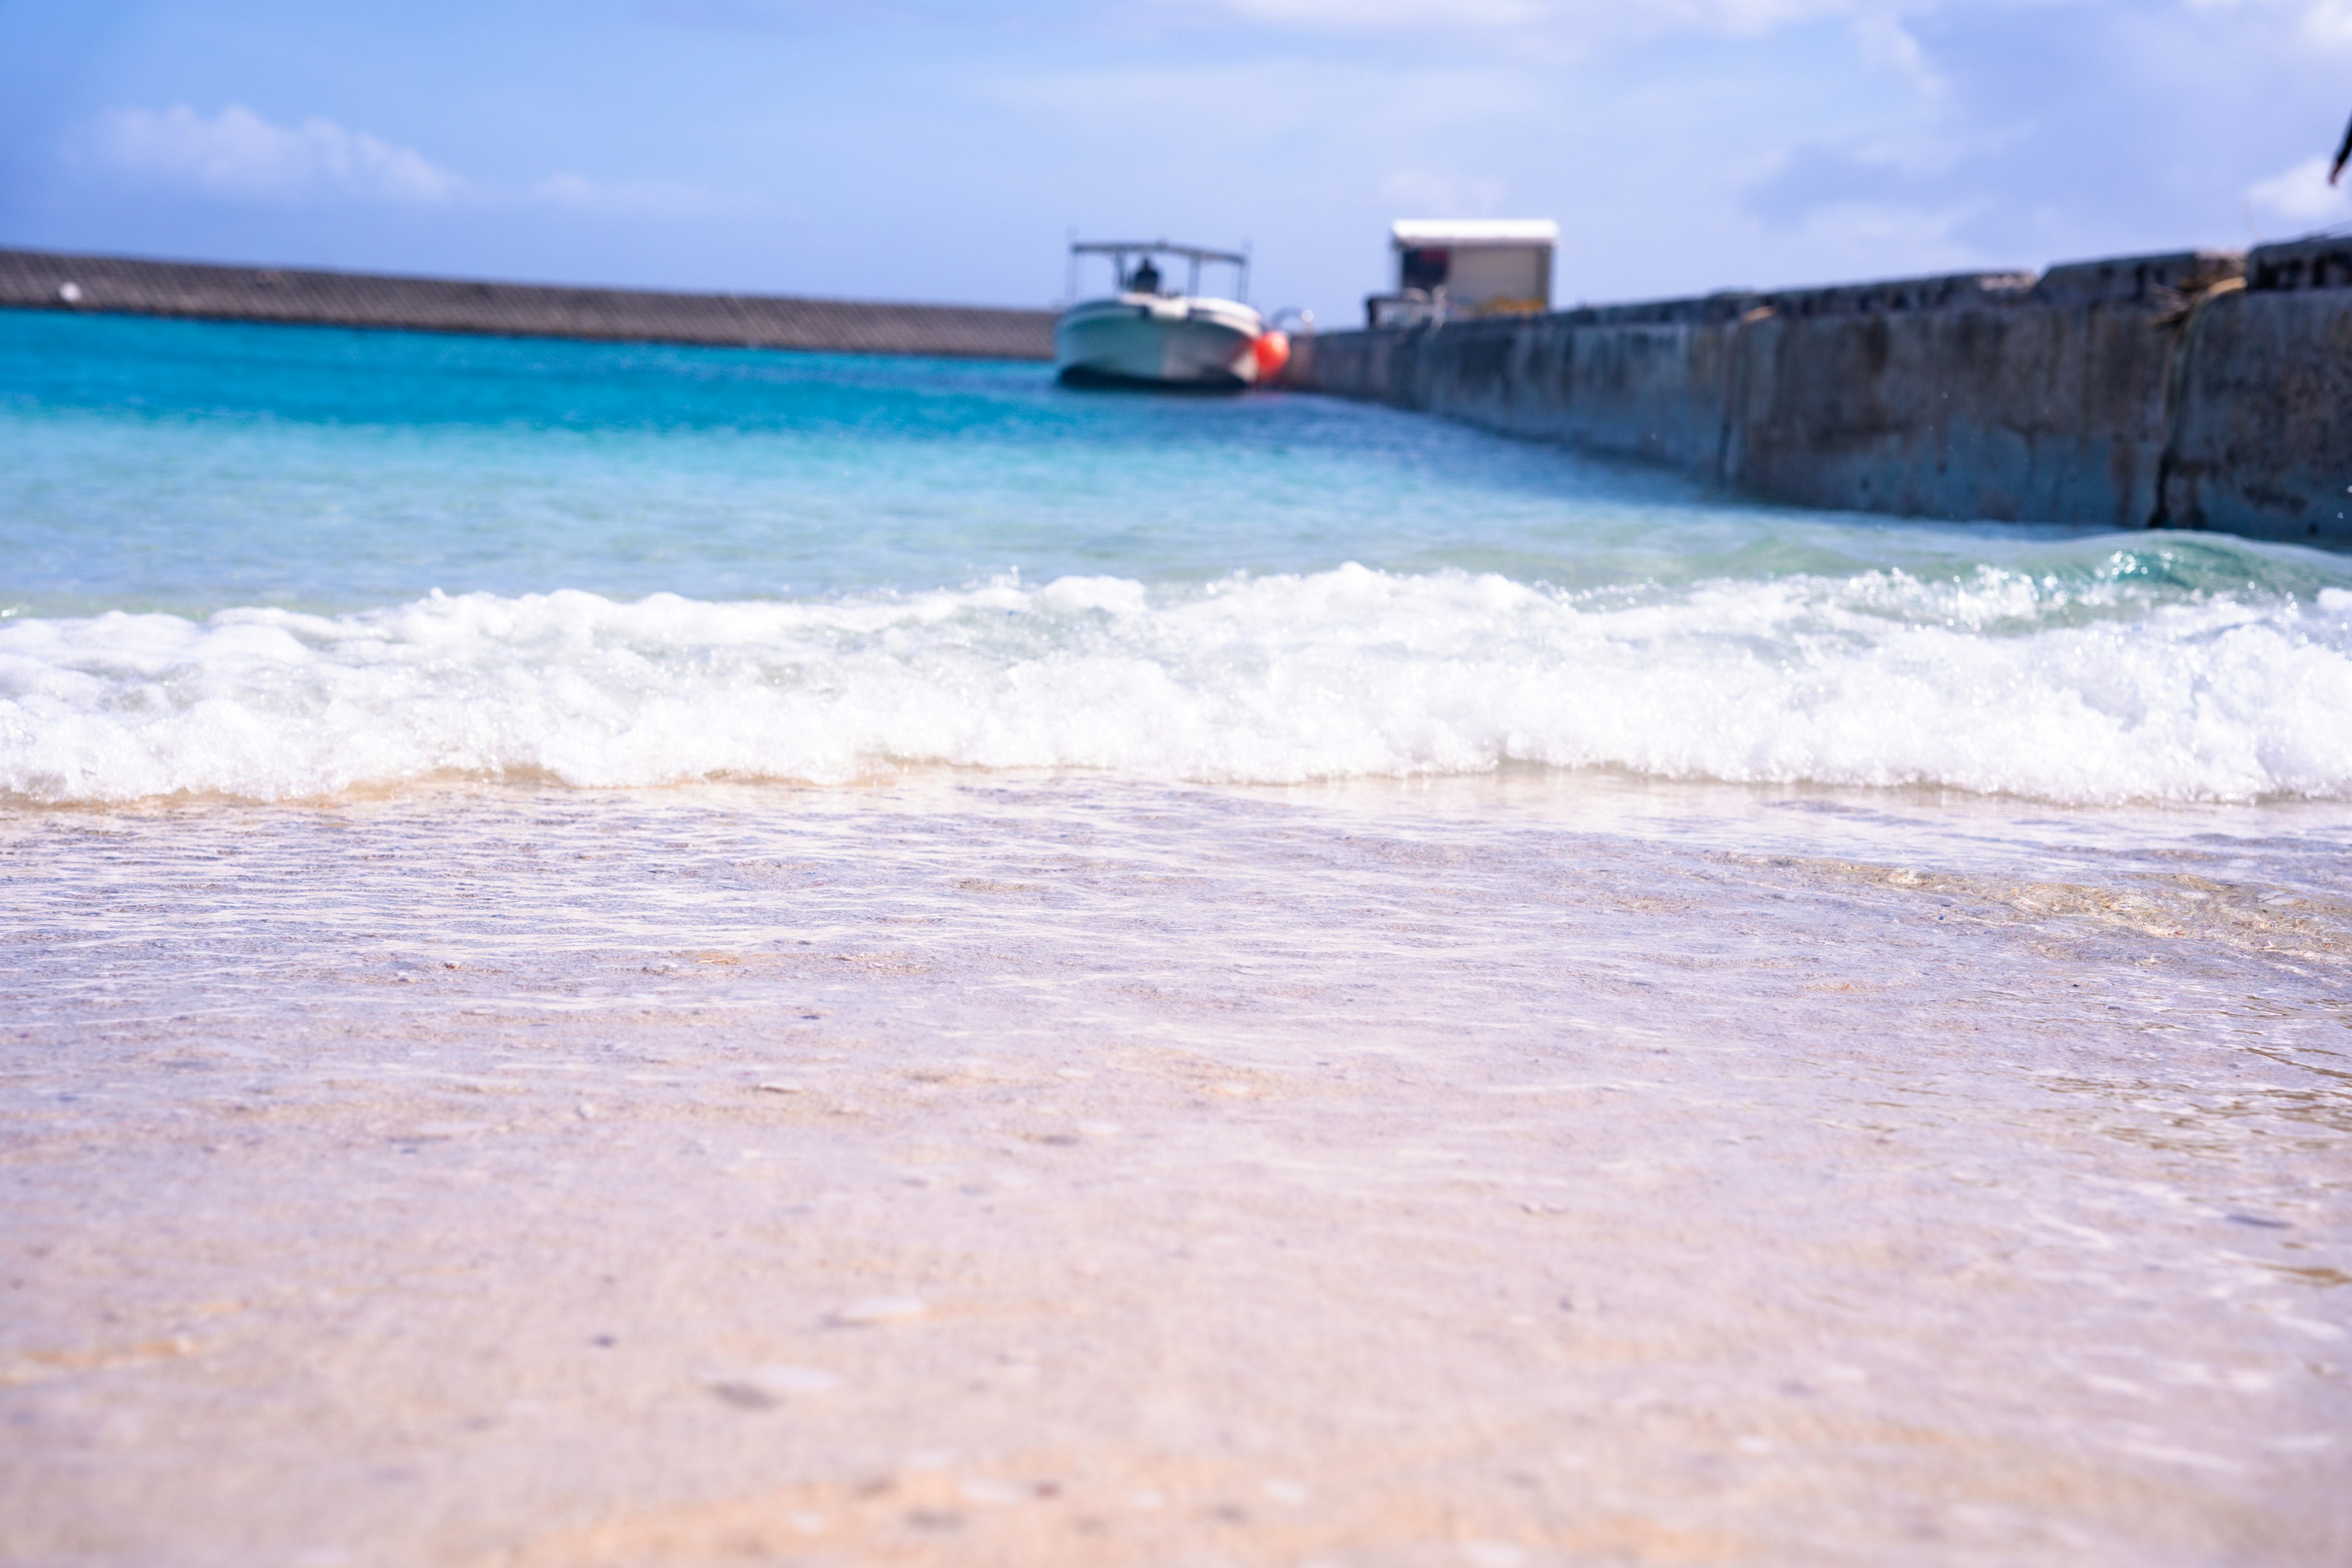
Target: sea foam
column 1994, row 683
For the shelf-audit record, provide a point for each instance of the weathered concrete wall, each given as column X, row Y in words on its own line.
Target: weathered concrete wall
column 1645, row 381
column 42, row 281
column 2260, row 438
column 2143, row 390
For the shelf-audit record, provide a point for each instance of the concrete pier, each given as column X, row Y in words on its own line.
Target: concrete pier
column 2198, row 389
column 37, row 279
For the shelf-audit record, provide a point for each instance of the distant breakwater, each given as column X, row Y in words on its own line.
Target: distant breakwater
column 47, row 280
column 2200, row 389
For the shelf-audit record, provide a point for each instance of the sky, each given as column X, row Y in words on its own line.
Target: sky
column 945, row 150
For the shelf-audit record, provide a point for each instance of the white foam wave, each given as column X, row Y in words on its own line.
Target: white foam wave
column 1876, row 680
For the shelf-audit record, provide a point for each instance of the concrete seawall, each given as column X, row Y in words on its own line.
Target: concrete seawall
column 2192, row 390
column 44, row 280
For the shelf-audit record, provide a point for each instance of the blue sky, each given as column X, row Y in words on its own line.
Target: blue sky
column 941, row 149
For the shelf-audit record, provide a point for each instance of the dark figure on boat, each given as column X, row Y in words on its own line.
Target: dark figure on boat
column 1146, row 279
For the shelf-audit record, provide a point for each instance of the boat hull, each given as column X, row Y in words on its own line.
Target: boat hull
column 1137, row 340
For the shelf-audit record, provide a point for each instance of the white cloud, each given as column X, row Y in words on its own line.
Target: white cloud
column 2302, row 194
column 1889, row 45
column 239, row 155
column 2327, row 23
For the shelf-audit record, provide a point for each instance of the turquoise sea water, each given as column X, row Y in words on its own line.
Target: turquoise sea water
column 273, row 562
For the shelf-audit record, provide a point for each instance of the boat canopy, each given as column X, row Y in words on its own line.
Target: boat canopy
column 1118, row 250
column 1155, row 247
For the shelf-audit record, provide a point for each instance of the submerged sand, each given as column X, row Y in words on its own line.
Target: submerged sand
column 1073, row 1172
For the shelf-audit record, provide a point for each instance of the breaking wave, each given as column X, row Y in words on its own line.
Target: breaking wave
column 2000, row 682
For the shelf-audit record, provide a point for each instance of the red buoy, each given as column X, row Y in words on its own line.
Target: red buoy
column 1272, row 351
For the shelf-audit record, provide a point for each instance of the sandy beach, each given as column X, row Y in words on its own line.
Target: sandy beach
column 1061, row 1172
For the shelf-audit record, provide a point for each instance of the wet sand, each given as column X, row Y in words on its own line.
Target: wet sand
column 1061, row 1173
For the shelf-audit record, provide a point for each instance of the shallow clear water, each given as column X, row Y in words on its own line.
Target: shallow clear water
column 1858, row 1004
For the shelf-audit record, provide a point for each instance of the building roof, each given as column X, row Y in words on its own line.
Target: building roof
column 1474, row 231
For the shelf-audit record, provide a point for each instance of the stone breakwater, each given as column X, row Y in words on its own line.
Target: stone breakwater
column 2200, row 389
column 46, row 281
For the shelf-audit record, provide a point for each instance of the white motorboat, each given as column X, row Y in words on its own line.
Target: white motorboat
column 1148, row 335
